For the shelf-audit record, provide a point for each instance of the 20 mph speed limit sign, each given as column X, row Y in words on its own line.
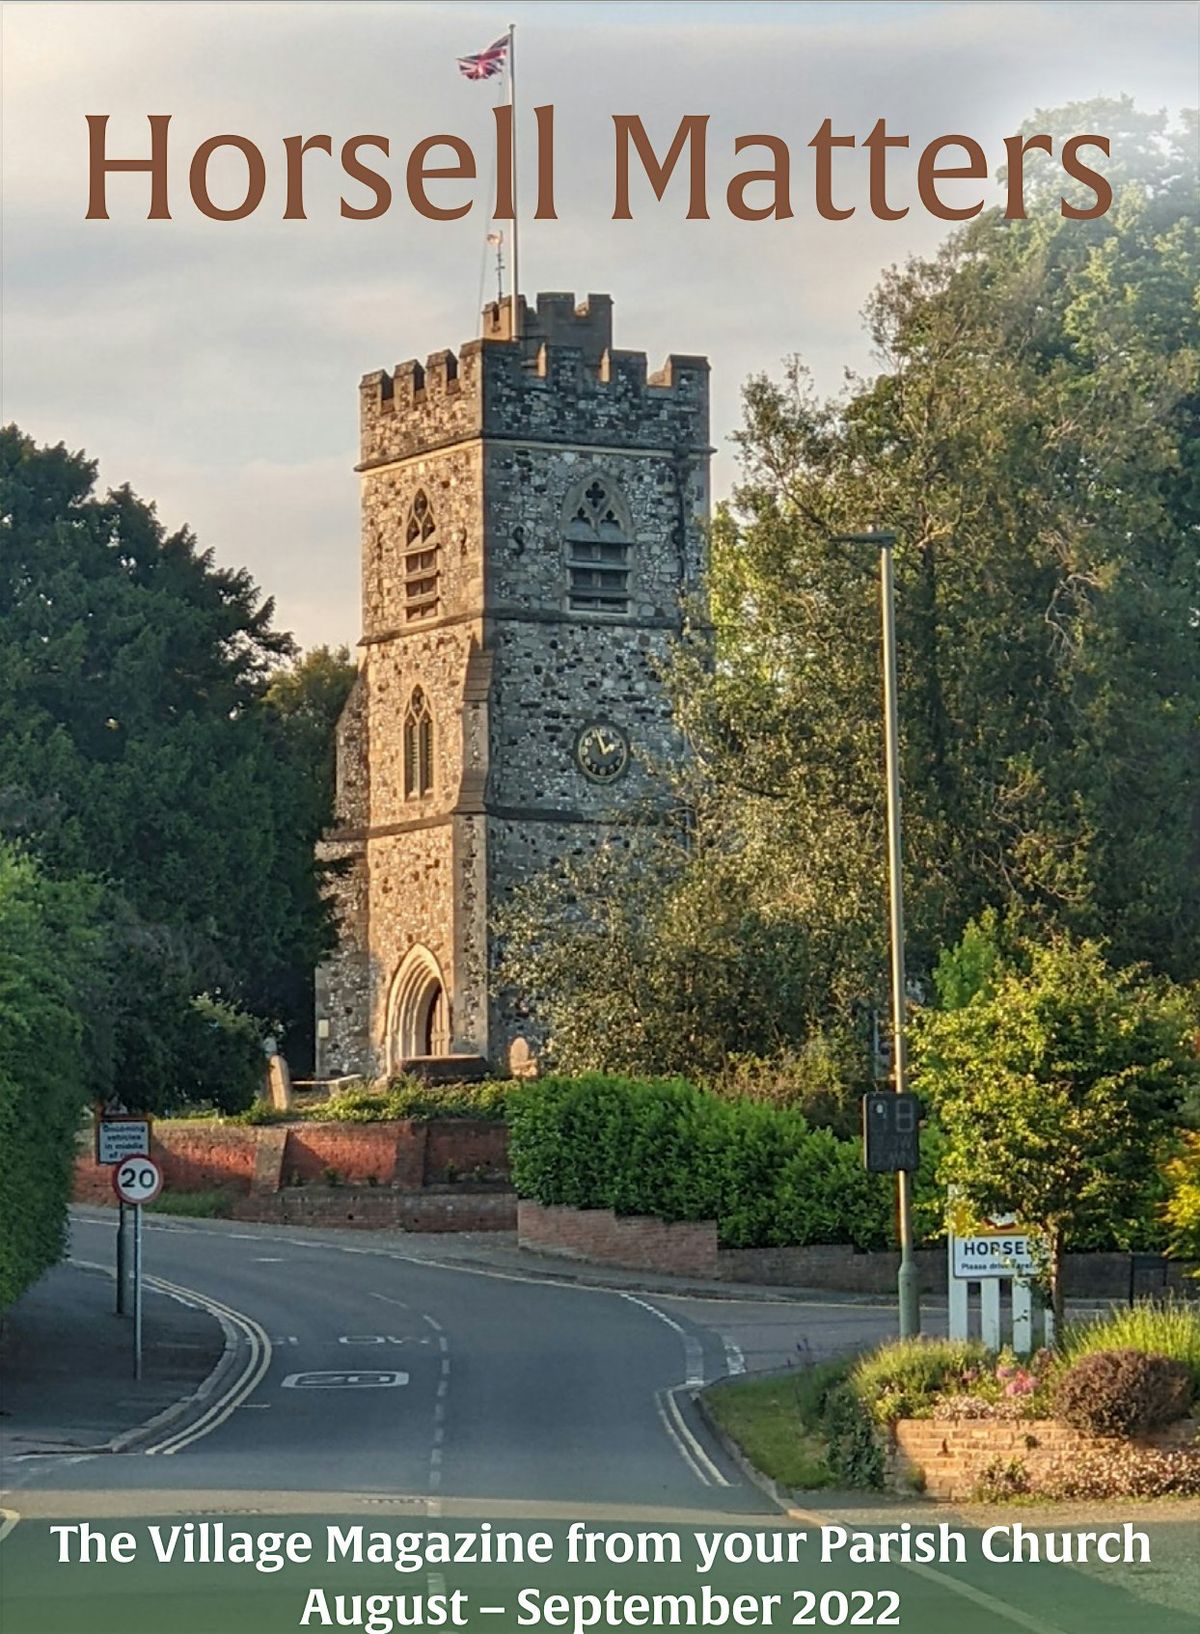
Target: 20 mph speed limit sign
column 137, row 1180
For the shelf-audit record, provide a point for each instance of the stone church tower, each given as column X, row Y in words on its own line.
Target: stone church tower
column 533, row 512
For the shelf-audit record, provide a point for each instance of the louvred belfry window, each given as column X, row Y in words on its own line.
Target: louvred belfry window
column 418, row 746
column 420, row 561
column 598, row 552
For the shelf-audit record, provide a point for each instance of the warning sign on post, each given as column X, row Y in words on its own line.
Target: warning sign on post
column 119, row 1138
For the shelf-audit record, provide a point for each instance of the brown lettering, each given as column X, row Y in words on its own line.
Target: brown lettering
column 693, row 129
column 779, row 175
column 1017, row 147
column 357, row 172
column 877, row 144
column 418, row 174
column 1099, row 184
column 296, row 147
column 256, row 178
column 545, row 163
column 99, row 166
column 823, row 143
column 929, row 174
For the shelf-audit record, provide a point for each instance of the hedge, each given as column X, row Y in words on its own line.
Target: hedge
column 663, row 1147
column 46, row 951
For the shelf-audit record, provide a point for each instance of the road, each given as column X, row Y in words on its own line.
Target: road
column 370, row 1382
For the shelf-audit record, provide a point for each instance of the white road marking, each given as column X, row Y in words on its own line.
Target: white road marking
column 676, row 1441
column 8, row 1521
column 693, row 1351
column 243, row 1386
column 735, row 1361
column 344, row 1381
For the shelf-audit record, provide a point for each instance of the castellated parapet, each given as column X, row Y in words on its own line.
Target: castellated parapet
column 562, row 382
column 533, row 522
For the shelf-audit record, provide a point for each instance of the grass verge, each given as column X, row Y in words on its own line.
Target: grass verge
column 216, row 1204
column 776, row 1422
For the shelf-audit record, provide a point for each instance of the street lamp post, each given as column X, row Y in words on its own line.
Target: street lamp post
column 910, row 1309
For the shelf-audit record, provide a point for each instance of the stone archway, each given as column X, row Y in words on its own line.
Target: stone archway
column 418, row 1011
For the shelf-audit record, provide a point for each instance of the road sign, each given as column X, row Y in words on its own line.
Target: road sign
column 138, row 1180
column 994, row 1254
column 122, row 1137
column 891, row 1132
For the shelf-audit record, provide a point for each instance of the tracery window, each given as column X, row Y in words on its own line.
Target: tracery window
column 599, row 551
column 418, row 746
column 420, row 561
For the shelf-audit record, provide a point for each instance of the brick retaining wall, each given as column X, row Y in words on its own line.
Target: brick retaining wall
column 282, row 1171
column 948, row 1457
column 636, row 1242
column 379, row 1208
column 640, row 1243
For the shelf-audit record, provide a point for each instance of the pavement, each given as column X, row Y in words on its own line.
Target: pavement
column 66, row 1362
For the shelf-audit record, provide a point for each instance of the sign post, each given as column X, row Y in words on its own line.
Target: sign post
column 120, row 1135
column 1000, row 1249
column 136, row 1181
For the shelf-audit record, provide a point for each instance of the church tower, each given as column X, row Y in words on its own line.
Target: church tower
column 533, row 517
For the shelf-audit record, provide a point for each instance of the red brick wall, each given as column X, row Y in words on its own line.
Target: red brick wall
column 637, row 1242
column 407, row 1155
column 466, row 1144
column 949, row 1456
column 377, row 1208
column 355, row 1152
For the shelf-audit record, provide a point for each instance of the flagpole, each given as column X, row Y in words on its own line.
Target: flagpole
column 516, row 256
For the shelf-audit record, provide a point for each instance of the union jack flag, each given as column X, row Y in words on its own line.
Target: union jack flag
column 485, row 64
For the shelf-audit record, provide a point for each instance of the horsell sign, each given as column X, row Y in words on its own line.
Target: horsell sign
column 994, row 1254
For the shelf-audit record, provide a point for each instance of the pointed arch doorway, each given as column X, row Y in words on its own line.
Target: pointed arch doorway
column 418, row 1011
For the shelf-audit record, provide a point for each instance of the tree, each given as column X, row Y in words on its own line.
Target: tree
column 304, row 702
column 138, row 748
column 1056, row 1086
column 1031, row 437
column 48, row 945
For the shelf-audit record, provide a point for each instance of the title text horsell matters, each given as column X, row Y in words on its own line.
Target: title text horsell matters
column 230, row 176
column 703, row 1552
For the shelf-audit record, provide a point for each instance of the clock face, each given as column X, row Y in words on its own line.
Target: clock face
column 602, row 751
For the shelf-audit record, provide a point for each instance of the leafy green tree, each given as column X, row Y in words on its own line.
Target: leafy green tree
column 1031, row 438
column 1056, row 1087
column 137, row 746
column 303, row 702
column 48, row 944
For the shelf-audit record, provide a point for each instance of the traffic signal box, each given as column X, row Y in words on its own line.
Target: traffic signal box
column 891, row 1132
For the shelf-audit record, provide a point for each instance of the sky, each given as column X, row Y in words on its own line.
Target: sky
column 214, row 365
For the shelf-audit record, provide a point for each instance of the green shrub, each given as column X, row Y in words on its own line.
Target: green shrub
column 904, row 1378
column 853, row 1452
column 1123, row 1392
column 662, row 1147
column 48, row 952
column 1158, row 1327
column 409, row 1098
column 223, row 1061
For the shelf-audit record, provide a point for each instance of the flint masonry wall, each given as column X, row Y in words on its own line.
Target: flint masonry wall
column 501, row 439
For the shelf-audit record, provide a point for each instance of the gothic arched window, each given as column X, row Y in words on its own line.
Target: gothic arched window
column 418, row 746
column 420, row 561
column 598, row 551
